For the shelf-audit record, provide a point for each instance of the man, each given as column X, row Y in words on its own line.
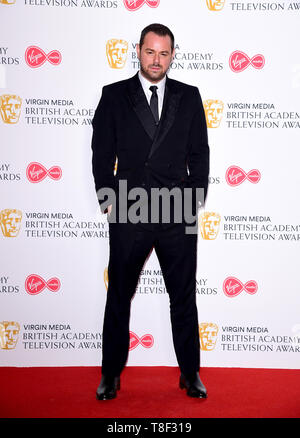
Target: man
column 156, row 129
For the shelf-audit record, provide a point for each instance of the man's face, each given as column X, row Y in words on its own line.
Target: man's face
column 155, row 56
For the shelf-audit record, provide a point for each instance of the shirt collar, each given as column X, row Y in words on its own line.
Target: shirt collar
column 146, row 84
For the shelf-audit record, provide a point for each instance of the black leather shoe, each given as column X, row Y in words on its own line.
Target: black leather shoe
column 193, row 385
column 108, row 388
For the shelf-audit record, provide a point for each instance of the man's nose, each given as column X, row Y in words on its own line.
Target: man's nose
column 156, row 58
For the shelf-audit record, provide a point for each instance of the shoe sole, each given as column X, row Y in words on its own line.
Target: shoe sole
column 106, row 397
column 183, row 386
column 109, row 397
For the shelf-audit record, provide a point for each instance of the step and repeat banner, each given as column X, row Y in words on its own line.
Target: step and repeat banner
column 55, row 57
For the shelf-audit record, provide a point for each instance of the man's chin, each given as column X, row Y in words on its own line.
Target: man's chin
column 153, row 76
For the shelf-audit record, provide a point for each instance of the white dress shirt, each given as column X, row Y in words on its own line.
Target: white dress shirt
column 160, row 90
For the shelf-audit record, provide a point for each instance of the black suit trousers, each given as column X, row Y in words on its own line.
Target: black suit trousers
column 176, row 252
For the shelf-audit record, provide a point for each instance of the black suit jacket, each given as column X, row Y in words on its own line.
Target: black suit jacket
column 173, row 153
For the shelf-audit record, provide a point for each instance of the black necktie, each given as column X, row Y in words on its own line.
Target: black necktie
column 154, row 103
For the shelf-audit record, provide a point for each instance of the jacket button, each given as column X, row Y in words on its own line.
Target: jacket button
column 146, row 163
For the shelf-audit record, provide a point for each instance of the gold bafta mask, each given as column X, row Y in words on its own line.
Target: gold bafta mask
column 106, row 278
column 209, row 224
column 10, row 221
column 9, row 333
column 116, row 52
column 213, row 112
column 208, row 333
column 10, row 108
column 7, row 2
column 215, row 5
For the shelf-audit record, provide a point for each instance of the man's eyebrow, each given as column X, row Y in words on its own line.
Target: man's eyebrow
column 161, row 51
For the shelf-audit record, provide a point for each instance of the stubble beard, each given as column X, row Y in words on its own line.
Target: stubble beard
column 151, row 76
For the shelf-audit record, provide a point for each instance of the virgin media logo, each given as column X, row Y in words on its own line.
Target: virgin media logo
column 239, row 61
column 235, row 176
column 34, row 284
column 35, row 57
column 146, row 341
column 232, row 287
column 36, row 172
column 133, row 5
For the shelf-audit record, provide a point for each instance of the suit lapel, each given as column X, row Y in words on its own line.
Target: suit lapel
column 141, row 107
column 170, row 106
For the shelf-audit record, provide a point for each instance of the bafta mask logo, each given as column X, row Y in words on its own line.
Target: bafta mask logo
column 209, row 223
column 10, row 221
column 10, row 108
column 105, row 275
column 213, row 112
column 9, row 333
column 116, row 52
column 215, row 5
column 7, row 2
column 208, row 333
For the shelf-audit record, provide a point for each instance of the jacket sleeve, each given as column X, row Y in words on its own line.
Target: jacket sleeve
column 103, row 144
column 198, row 157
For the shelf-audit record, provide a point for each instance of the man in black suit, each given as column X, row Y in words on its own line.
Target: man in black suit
column 155, row 127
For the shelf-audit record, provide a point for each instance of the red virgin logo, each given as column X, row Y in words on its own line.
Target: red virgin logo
column 235, row 176
column 36, row 172
column 146, row 341
column 34, row 284
column 35, row 57
column 133, row 5
column 239, row 61
column 232, row 287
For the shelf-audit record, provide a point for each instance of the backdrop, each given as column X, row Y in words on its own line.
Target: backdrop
column 55, row 57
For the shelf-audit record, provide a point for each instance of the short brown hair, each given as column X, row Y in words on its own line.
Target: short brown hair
column 158, row 29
